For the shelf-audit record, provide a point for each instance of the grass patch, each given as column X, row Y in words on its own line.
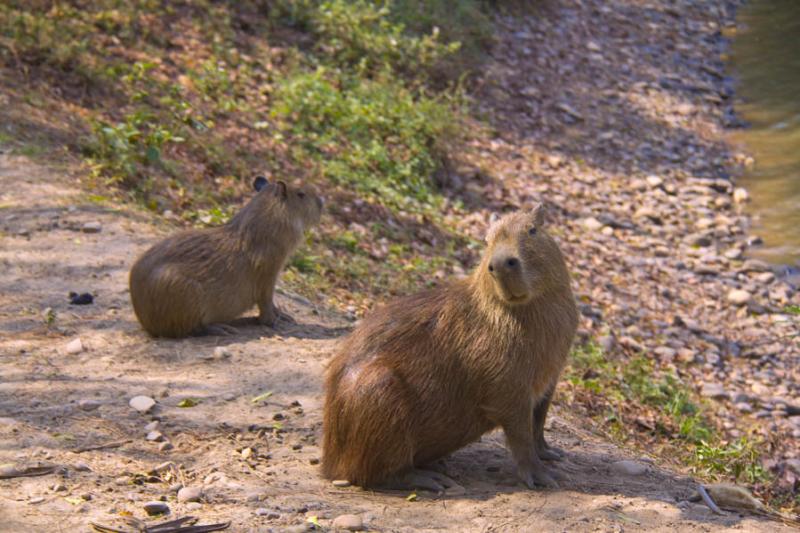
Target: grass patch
column 634, row 400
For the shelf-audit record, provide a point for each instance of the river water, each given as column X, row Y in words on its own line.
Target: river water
column 765, row 59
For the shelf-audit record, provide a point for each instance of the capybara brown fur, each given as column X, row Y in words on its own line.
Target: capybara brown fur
column 194, row 281
column 430, row 373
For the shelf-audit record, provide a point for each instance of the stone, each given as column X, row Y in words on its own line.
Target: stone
column 665, row 353
column 190, row 494
column 733, row 253
column 193, row 506
column 739, row 296
column 262, row 511
column 92, row 227
column 628, row 468
column 75, row 346
column 35, row 500
column 348, row 522
column 714, row 390
column 220, row 352
column 341, row 483
column 740, row 195
column 165, row 446
column 744, row 408
column 654, row 181
column 88, row 405
column 152, row 426
column 229, row 396
column 592, row 224
column 156, row 508
column 142, row 403
column 765, row 277
column 155, row 436
column 81, row 467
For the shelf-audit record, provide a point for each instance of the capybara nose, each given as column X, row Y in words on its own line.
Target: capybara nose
column 503, row 263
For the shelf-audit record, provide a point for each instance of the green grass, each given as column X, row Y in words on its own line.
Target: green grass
column 622, row 391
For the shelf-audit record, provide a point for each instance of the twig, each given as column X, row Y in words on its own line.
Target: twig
column 115, row 444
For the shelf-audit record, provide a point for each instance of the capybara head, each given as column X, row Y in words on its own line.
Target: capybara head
column 522, row 261
column 298, row 200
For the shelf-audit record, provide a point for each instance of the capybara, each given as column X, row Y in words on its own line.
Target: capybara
column 193, row 282
column 430, row 373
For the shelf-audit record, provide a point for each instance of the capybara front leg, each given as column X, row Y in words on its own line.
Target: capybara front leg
column 543, row 449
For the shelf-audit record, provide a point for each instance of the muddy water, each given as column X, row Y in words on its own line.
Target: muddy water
column 765, row 58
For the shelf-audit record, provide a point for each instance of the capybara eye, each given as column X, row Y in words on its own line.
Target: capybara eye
column 532, row 231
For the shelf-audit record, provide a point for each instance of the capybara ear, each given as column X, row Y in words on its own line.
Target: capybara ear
column 280, row 189
column 537, row 213
column 260, row 182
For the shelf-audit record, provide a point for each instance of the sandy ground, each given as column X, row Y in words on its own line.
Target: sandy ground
column 259, row 475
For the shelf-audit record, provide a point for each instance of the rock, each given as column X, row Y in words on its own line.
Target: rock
column 628, row 468
column 75, row 346
column 92, row 227
column 220, row 352
column 81, row 467
column 152, row 426
column 35, row 500
column 155, row 436
column 793, row 465
column 739, row 296
column 59, row 487
column 348, row 522
column 193, row 506
column 156, row 508
column 165, row 446
column 142, row 403
column 765, row 277
column 733, row 253
column 740, row 195
column 714, row 390
column 699, row 239
column 88, row 405
column 247, row 453
column 341, row 483
column 744, row 408
column 754, row 265
column 592, row 224
column 654, row 181
column 607, row 343
column 190, row 494
column 262, row 511
column 665, row 353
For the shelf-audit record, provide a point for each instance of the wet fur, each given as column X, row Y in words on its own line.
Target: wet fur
column 432, row 372
column 201, row 277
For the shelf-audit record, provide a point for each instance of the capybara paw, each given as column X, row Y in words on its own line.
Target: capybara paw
column 539, row 478
column 550, row 453
column 419, row 479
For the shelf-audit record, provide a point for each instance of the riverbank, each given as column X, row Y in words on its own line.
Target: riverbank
column 620, row 124
column 611, row 112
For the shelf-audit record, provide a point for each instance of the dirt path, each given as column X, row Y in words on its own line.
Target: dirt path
column 54, row 403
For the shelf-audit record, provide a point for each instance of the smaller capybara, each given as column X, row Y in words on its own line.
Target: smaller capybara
column 193, row 282
column 430, row 373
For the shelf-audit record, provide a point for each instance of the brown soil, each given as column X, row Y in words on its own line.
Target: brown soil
column 44, row 256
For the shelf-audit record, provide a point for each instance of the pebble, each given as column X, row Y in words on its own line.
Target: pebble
column 81, row 467
column 155, row 436
column 92, row 227
column 156, row 508
column 341, row 483
column 739, row 296
column 229, row 396
column 628, row 468
column 592, row 224
column 349, row 522
column 262, row 511
column 743, row 407
column 714, row 390
column 654, row 181
column 152, row 426
column 740, row 195
column 190, row 494
column 193, row 506
column 35, row 500
column 165, row 446
column 220, row 352
column 88, row 405
column 75, row 346
column 142, row 403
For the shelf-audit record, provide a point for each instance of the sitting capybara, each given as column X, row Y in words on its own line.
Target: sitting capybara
column 430, row 373
column 192, row 282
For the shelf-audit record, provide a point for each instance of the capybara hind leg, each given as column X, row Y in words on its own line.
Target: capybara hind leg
column 543, row 449
column 419, row 479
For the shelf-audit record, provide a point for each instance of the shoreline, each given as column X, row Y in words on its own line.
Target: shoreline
column 621, row 127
